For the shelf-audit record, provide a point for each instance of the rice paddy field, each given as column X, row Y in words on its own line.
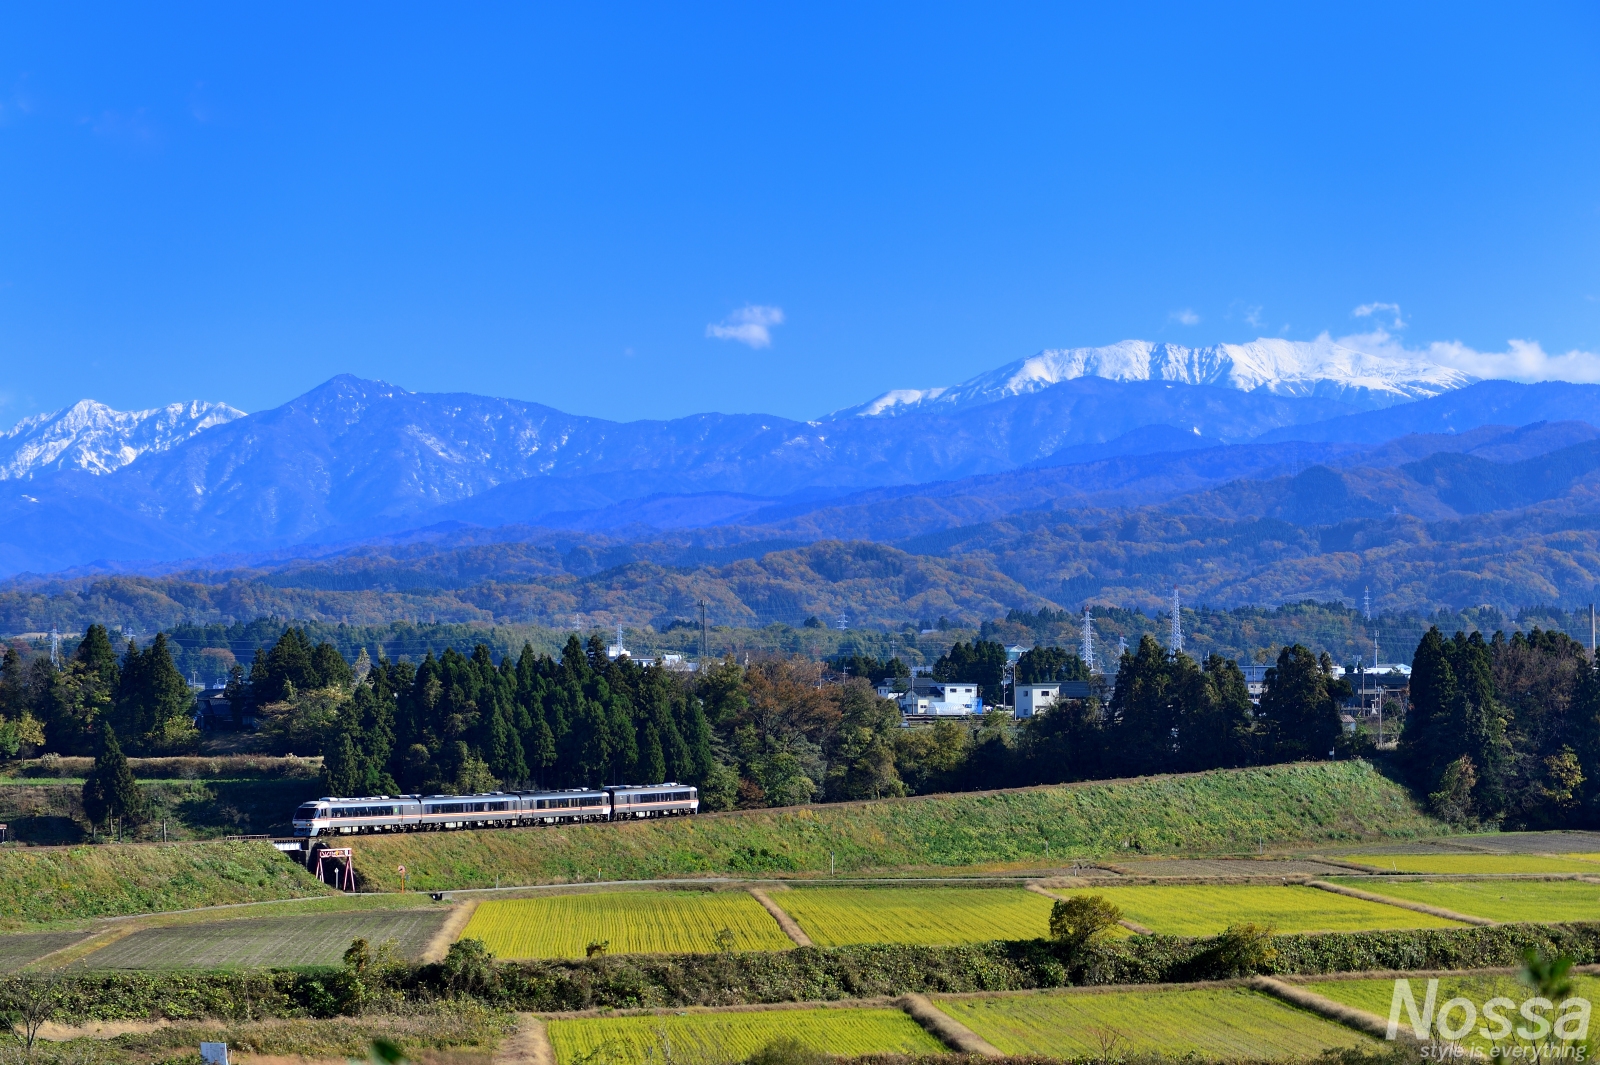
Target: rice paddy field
column 717, row 1038
column 1498, row 900
column 926, row 916
column 629, row 922
column 1210, row 1023
column 265, row 942
column 1206, row 909
column 1375, row 996
column 1475, row 863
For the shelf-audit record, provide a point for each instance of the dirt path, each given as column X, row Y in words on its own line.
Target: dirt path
column 439, row 945
column 529, row 1046
column 945, row 1028
column 785, row 922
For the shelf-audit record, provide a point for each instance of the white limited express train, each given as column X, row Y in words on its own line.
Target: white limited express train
column 497, row 809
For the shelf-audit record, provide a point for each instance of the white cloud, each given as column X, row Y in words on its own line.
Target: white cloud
column 1367, row 310
column 1523, row 360
column 1185, row 317
column 751, row 324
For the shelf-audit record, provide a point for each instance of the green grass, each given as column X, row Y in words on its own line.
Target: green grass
column 928, row 916
column 39, row 885
column 631, row 922
column 1206, row 909
column 1376, row 996
column 715, row 1038
column 48, row 811
column 266, row 942
column 1498, row 900
column 1211, row 1023
column 1220, row 811
column 1473, row 863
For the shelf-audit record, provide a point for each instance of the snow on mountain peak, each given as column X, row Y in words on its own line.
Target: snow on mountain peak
column 1321, row 367
column 93, row 437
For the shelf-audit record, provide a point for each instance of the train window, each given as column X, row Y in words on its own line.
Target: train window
column 306, row 812
column 590, row 800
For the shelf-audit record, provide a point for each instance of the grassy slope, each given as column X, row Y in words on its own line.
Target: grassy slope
column 1222, row 811
column 39, row 885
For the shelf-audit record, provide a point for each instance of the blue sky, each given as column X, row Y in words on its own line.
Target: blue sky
column 554, row 203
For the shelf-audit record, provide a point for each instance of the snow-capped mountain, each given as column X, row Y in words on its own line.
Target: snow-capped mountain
column 1319, row 368
column 91, row 437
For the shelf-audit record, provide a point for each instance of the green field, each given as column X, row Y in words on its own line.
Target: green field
column 1216, row 812
column 631, row 922
column 1473, row 863
column 40, row 885
column 267, row 942
column 929, row 916
column 1206, row 909
column 716, row 1038
column 1226, row 1023
column 1376, row 996
column 1498, row 900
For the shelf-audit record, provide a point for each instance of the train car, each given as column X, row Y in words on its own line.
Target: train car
column 557, row 807
column 331, row 816
column 631, row 801
column 492, row 810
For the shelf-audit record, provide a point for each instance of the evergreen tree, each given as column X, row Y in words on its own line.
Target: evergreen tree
column 110, row 792
column 1300, row 706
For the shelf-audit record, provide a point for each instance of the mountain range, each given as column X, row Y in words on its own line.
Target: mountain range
column 1029, row 477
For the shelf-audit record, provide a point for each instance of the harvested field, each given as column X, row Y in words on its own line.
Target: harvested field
column 1556, row 842
column 717, row 1038
column 18, row 950
column 265, row 942
column 1498, row 900
column 1227, row 867
column 628, row 922
column 1474, row 863
column 928, row 916
column 1206, row 909
column 1209, row 1023
column 1376, row 996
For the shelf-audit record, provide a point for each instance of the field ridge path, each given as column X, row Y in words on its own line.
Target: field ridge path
column 785, row 922
column 529, row 1045
column 1404, row 904
column 1132, row 926
column 945, row 1028
column 439, row 945
column 1338, row 1012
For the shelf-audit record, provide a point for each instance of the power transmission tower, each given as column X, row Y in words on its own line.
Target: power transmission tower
column 1087, row 654
column 1176, row 639
column 55, row 647
column 703, row 631
column 1367, row 604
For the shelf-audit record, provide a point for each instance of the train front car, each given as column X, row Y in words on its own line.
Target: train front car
column 653, row 800
column 332, row 816
column 558, row 807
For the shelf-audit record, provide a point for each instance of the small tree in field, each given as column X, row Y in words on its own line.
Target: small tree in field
column 1075, row 922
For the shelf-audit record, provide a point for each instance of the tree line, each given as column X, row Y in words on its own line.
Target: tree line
column 1503, row 731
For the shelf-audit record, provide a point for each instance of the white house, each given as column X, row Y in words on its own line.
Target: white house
column 935, row 698
column 1033, row 698
column 1036, row 698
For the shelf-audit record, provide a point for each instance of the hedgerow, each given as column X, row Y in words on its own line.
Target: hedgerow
column 802, row 974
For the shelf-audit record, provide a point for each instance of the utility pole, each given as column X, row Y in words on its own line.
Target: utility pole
column 1591, row 632
column 702, row 633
